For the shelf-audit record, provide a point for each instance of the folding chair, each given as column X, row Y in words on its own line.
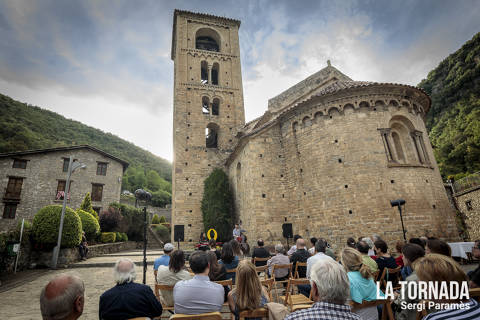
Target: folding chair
column 268, row 283
column 279, row 267
column 292, row 299
column 225, row 283
column 164, row 287
column 301, row 306
column 387, row 312
column 234, row 271
column 475, row 294
column 257, row 259
column 257, row 313
column 201, row 316
column 389, row 272
column 262, row 269
column 299, row 264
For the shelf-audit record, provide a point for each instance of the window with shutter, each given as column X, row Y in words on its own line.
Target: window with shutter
column 9, row 211
column 14, row 188
column 97, row 190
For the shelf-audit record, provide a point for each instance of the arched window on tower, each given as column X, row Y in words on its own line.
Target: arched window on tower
column 211, row 136
column 207, row 39
column 215, row 107
column 398, row 147
column 215, row 73
column 204, row 72
column 205, row 105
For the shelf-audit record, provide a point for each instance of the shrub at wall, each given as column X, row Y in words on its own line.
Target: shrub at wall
column 47, row 221
column 108, row 237
column 110, row 219
column 132, row 222
column 162, row 219
column 217, row 205
column 155, row 219
column 89, row 224
column 162, row 232
column 87, row 206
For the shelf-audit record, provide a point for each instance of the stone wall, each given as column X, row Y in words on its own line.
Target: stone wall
column 468, row 203
column 41, row 176
column 326, row 171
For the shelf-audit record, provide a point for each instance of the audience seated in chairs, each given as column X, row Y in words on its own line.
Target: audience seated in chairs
column 164, row 259
column 313, row 240
column 411, row 253
column 229, row 259
column 438, row 246
column 362, row 287
column 237, row 249
column 198, row 295
column 351, row 243
column 213, row 247
column 172, row 274
column 371, row 252
column 294, row 247
column 278, row 258
column 330, row 291
column 217, row 272
column 418, row 241
column 384, row 259
column 260, row 252
column 248, row 294
column 63, row 298
column 128, row 299
column 474, row 275
column 320, row 248
column 398, row 255
column 437, row 268
column 301, row 255
column 363, row 248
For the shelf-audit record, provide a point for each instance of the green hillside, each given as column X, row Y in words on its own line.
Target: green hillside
column 454, row 118
column 24, row 127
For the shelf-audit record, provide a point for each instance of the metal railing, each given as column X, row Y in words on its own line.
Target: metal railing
column 468, row 182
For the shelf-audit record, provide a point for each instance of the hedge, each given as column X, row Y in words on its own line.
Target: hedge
column 132, row 222
column 108, row 237
column 162, row 232
column 47, row 221
column 155, row 219
column 89, row 224
column 163, row 219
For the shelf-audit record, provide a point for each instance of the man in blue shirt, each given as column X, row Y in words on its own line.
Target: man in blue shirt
column 164, row 260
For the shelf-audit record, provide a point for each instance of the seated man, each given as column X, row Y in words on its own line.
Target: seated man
column 278, row 258
column 300, row 255
column 198, row 295
column 363, row 248
column 164, row 259
column 330, row 291
column 62, row 298
column 260, row 252
column 320, row 248
column 128, row 299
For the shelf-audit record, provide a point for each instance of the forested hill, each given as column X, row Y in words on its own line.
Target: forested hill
column 454, row 118
column 24, row 127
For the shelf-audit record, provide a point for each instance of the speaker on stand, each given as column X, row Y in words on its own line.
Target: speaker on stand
column 287, row 231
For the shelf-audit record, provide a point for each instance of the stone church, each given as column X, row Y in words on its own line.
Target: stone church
column 327, row 156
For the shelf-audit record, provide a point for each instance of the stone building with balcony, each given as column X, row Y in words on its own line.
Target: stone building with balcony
column 30, row 180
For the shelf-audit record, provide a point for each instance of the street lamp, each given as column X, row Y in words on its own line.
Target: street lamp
column 72, row 166
column 145, row 197
column 398, row 203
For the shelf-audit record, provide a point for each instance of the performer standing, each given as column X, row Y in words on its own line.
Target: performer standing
column 237, row 232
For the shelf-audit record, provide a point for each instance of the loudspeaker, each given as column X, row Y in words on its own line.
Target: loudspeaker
column 179, row 233
column 287, row 230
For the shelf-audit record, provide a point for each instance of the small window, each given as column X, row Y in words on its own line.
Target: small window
column 101, row 169
column 14, row 188
column 97, row 190
column 19, row 163
column 9, row 211
column 65, row 164
column 468, row 204
column 61, row 190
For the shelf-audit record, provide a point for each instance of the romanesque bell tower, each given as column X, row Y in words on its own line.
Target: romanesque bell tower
column 208, row 109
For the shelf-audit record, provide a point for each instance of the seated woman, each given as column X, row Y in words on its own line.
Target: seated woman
column 229, row 260
column 217, row 272
column 171, row 275
column 362, row 287
column 384, row 259
column 249, row 294
column 398, row 255
column 278, row 258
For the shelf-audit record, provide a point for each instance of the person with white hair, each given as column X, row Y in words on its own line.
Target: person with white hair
column 128, row 299
column 278, row 258
column 330, row 291
column 63, row 298
column 371, row 252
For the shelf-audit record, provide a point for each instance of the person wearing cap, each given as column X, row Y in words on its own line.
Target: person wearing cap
column 164, row 260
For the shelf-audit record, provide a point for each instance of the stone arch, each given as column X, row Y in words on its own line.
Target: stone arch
column 393, row 103
column 333, row 111
column 379, row 104
column 348, row 108
column 295, row 126
column 204, row 72
column 207, row 39
column 405, row 146
column 215, row 107
column 364, row 105
column 211, row 135
column 205, row 105
column 306, row 121
column 398, row 147
column 215, row 73
column 317, row 116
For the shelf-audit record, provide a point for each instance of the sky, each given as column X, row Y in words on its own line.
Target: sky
column 107, row 63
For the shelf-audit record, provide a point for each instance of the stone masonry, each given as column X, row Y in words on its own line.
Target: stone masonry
column 44, row 170
column 468, row 203
column 327, row 156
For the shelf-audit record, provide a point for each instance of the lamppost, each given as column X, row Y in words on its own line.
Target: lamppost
column 72, row 166
column 145, row 197
column 398, row 203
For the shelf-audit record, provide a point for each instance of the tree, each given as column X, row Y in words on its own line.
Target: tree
column 87, row 205
column 161, row 198
column 217, row 204
column 155, row 219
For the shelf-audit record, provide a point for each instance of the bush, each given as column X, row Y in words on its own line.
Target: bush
column 132, row 222
column 162, row 233
column 47, row 221
column 155, row 219
column 118, row 237
column 167, row 224
column 108, row 237
column 163, row 219
column 89, row 224
column 87, row 206
column 124, row 236
column 110, row 219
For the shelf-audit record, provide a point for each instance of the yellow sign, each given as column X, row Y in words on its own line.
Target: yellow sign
column 209, row 236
